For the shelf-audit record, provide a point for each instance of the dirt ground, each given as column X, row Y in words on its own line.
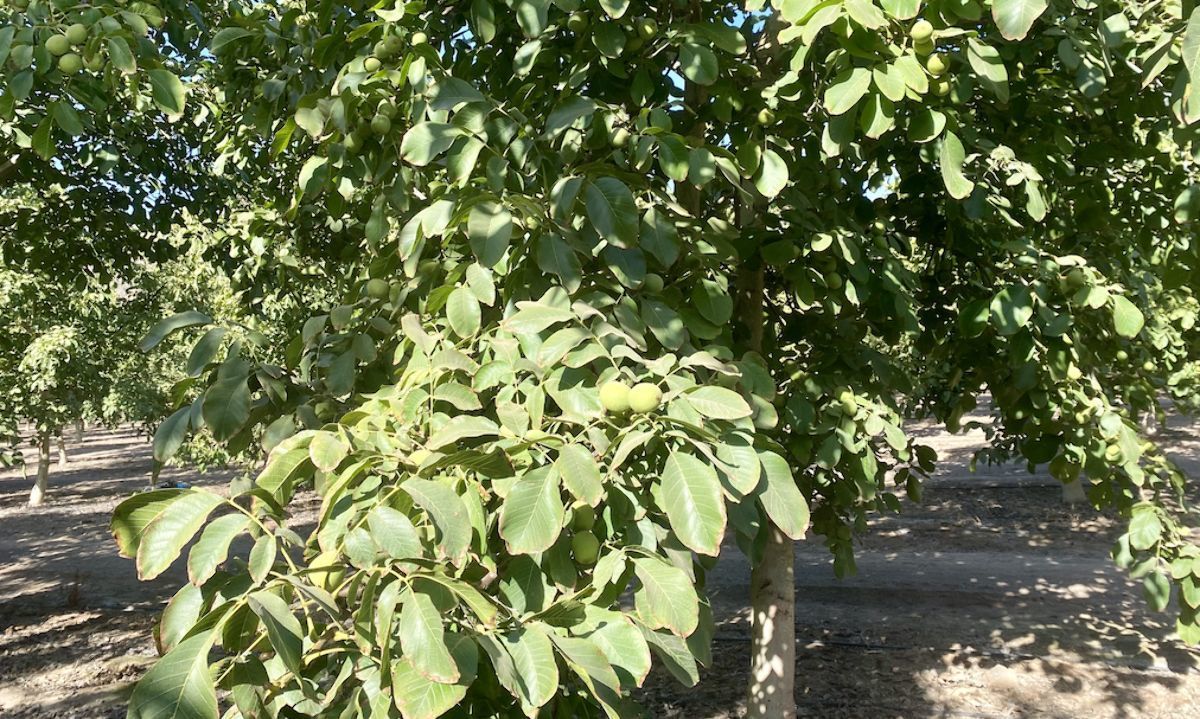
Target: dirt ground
column 992, row 599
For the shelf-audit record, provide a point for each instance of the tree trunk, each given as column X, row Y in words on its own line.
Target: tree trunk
column 1074, row 492
column 79, row 427
column 37, row 496
column 62, row 450
column 772, row 690
column 772, row 693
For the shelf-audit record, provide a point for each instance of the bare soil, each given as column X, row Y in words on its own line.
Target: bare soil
column 991, row 599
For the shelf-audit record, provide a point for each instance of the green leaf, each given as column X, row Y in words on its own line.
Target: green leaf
column 1191, row 46
column 952, row 157
column 535, row 668
column 67, row 118
column 204, row 351
column 692, row 500
column 719, row 403
column 463, row 312
column 311, row 120
column 165, row 327
column 226, row 37
column 483, row 20
column 1127, row 318
column 1011, row 309
column 448, row 513
column 394, row 532
column 781, row 498
column 622, row 643
column 120, row 55
column 283, row 629
column 180, row 615
column 226, row 407
column 847, row 89
column 567, row 113
column 985, row 60
column 901, row 9
column 772, row 175
column 611, row 209
column 170, row 435
column 167, row 534
column 615, row 8
column 665, row 323
column 926, row 125
column 452, row 92
column 179, row 686
column 460, row 428
column 659, row 237
column 327, row 450
column 212, row 549
column 555, row 256
column 676, row 656
column 490, row 230
column 425, row 141
column 666, row 598
column 418, row 698
column 6, row 37
column 282, row 467
column 1015, row 17
column 580, row 473
column 423, row 641
column 1145, row 528
column 699, row 63
column 532, row 515
column 131, row 517
column 168, row 91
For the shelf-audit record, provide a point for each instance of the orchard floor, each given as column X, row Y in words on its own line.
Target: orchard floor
column 991, row 599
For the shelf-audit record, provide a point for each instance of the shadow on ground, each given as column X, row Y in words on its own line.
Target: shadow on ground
column 992, row 599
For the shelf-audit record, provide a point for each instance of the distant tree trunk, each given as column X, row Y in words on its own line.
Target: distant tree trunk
column 62, row 450
column 1074, row 492
column 79, row 426
column 37, row 496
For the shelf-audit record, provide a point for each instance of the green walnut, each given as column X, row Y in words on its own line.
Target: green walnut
column 372, row 64
column 646, row 27
column 922, row 31
column 378, row 289
column 766, row 117
column 70, row 64
column 586, row 548
column 419, row 38
column 58, row 45
column 77, row 34
column 645, row 397
column 614, row 397
column 583, row 517
column 381, row 124
column 653, row 284
column 936, row 64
